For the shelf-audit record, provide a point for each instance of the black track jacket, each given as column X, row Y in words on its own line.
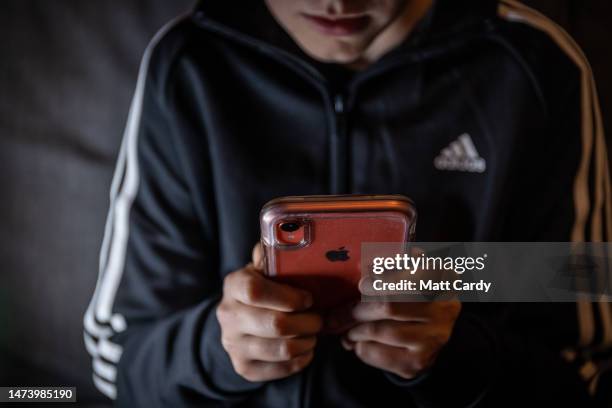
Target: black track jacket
column 486, row 117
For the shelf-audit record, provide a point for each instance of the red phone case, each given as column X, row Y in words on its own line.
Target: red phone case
column 323, row 255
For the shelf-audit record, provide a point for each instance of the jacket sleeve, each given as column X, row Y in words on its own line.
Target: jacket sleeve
column 538, row 354
column 151, row 327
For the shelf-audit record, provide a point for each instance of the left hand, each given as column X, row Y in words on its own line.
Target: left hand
column 403, row 338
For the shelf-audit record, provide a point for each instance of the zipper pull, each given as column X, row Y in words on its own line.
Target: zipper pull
column 339, row 103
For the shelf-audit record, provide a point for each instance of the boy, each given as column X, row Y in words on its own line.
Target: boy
column 483, row 112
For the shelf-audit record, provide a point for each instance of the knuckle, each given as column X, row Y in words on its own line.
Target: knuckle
column 241, row 367
column 373, row 330
column 290, row 349
column 251, row 375
column 362, row 351
column 416, row 346
column 370, row 354
column 377, row 354
column 390, row 309
column 226, row 343
column 252, row 289
column 222, row 313
column 230, row 281
column 286, row 350
column 278, row 324
column 396, row 335
column 247, row 371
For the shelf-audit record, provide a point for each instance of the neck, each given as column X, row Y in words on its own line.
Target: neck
column 394, row 34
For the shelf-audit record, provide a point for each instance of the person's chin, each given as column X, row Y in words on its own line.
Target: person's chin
column 343, row 55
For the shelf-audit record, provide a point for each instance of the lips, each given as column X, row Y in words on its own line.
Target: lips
column 338, row 26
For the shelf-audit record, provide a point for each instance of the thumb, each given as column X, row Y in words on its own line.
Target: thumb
column 258, row 257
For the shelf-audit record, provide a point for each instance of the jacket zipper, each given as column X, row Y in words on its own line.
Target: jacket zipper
column 336, row 104
column 339, row 148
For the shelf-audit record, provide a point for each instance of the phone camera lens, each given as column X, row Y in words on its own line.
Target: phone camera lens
column 290, row 226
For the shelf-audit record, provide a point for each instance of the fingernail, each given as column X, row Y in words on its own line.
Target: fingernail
column 347, row 344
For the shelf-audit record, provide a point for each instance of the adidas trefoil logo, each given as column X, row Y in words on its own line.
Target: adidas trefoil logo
column 460, row 155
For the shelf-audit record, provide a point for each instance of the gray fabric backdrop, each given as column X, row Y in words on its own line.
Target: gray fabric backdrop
column 67, row 72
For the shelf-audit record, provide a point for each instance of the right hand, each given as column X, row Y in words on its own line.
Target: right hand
column 265, row 326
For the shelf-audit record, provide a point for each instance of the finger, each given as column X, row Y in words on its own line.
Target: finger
column 258, row 257
column 392, row 333
column 272, row 324
column 394, row 359
column 251, row 288
column 401, row 311
column 274, row 350
column 366, row 286
column 347, row 344
column 266, row 371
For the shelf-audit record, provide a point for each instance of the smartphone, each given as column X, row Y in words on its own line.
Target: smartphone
column 314, row 242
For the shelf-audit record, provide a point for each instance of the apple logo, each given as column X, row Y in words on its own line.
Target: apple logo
column 339, row 254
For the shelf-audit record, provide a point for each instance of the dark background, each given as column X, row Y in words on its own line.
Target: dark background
column 67, row 72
